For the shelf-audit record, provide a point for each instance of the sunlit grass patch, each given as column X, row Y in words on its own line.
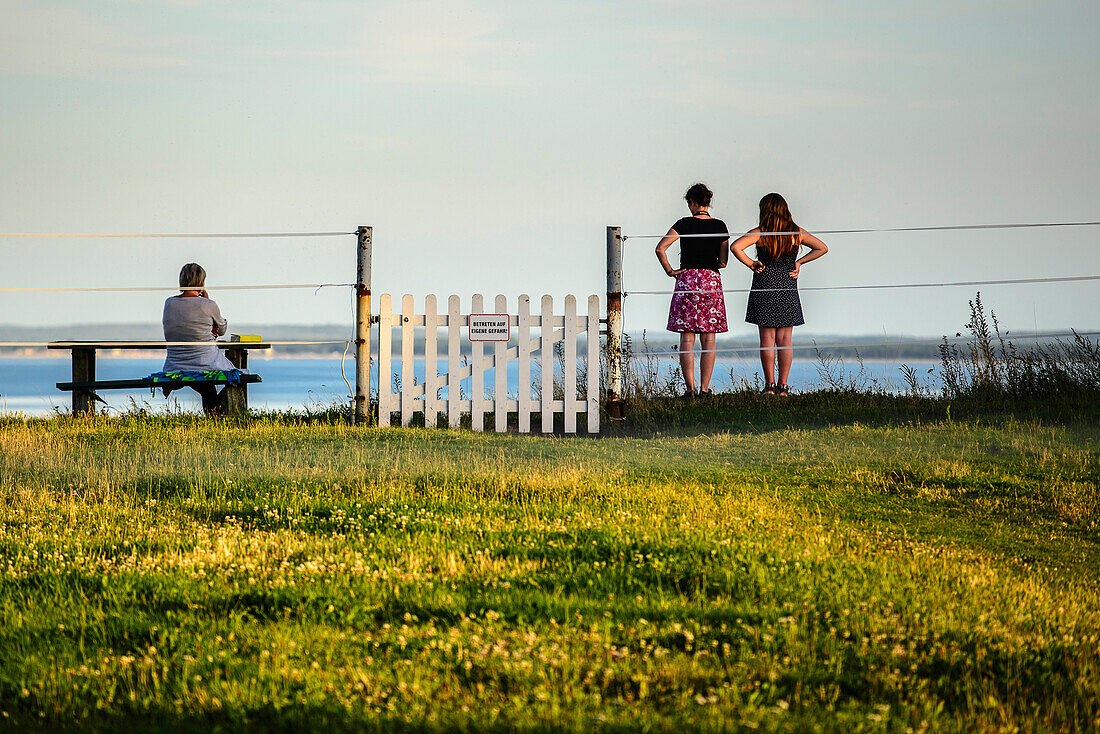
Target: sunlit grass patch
column 186, row 574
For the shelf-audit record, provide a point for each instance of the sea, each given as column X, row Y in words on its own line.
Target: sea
column 313, row 384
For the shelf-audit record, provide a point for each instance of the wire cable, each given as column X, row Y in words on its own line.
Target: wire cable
column 174, row 235
column 153, row 344
column 143, row 289
column 347, row 346
column 939, row 228
column 674, row 351
column 1007, row 281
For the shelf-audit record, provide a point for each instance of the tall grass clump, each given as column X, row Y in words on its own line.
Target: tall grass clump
column 992, row 366
column 642, row 378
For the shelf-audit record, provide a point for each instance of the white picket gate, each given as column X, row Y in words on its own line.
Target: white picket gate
column 423, row 397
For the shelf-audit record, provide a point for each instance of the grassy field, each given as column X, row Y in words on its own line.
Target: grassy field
column 884, row 566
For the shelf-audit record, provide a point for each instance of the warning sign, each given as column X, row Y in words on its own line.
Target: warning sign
column 490, row 327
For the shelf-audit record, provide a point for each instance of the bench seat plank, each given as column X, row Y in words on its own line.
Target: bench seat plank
column 147, row 382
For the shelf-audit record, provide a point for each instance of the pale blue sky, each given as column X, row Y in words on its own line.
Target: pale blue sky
column 490, row 143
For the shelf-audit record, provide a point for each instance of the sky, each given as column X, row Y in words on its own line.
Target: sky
column 489, row 144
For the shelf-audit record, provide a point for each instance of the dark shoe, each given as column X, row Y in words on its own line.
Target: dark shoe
column 769, row 389
column 688, row 394
column 706, row 393
column 782, row 390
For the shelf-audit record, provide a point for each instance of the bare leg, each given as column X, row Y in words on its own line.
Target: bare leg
column 706, row 361
column 783, row 338
column 767, row 354
column 687, row 359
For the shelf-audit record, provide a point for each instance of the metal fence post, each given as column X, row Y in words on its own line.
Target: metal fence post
column 614, row 322
column 362, row 325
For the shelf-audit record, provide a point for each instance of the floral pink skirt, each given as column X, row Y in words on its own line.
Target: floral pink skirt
column 697, row 305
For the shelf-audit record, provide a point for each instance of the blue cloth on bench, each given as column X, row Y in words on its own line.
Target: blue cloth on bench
column 232, row 377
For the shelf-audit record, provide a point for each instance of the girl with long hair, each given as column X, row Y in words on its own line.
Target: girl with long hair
column 774, row 305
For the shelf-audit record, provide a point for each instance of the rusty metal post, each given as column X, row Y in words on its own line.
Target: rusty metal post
column 362, row 325
column 614, row 322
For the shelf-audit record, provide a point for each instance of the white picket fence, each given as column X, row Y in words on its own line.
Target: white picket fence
column 424, row 397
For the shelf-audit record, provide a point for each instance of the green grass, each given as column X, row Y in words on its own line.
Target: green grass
column 812, row 565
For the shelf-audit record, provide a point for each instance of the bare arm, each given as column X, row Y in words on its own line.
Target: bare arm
column 662, row 258
column 817, row 249
column 724, row 254
column 742, row 243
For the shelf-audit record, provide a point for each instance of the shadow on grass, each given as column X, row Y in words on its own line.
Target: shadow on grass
column 295, row 719
column 961, row 671
column 751, row 412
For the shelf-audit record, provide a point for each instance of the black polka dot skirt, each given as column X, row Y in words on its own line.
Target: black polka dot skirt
column 773, row 301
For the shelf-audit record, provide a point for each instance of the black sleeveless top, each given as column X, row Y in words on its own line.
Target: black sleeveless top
column 701, row 253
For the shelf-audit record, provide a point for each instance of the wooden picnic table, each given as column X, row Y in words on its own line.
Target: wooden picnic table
column 84, row 383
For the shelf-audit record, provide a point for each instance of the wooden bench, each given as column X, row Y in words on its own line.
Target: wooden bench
column 84, row 383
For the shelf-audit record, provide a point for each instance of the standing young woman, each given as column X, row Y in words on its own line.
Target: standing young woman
column 697, row 304
column 773, row 301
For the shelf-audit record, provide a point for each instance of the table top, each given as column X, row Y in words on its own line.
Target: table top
column 148, row 345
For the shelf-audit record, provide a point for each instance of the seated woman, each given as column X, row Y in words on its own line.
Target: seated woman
column 193, row 317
